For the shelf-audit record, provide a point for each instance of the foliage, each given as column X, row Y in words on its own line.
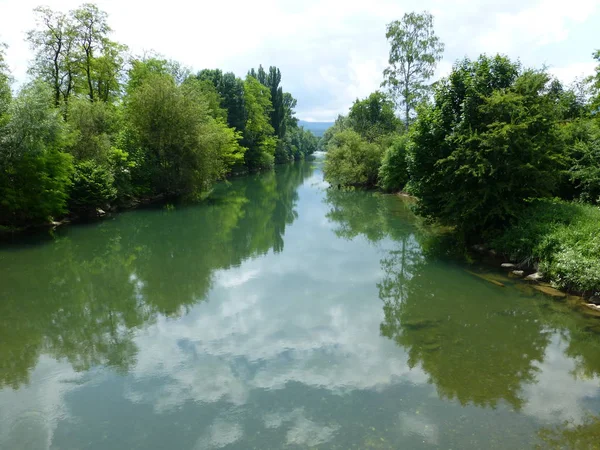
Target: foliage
column 341, row 123
column 414, row 52
column 34, row 174
column 563, row 237
column 74, row 55
column 181, row 148
column 393, row 173
column 595, row 80
column 93, row 187
column 351, row 160
column 487, row 143
column 581, row 142
column 94, row 126
column 373, row 117
column 258, row 132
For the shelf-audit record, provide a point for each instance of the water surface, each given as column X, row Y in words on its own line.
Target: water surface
column 281, row 314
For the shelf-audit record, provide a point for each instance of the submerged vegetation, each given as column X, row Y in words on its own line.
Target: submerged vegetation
column 98, row 128
column 500, row 153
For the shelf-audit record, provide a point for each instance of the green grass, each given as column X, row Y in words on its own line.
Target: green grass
column 563, row 238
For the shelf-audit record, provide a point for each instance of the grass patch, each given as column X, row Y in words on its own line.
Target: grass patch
column 563, row 238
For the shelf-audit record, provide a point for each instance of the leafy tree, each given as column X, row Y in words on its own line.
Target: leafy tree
column 393, row 173
column 181, row 148
column 414, row 52
column 73, row 53
column 94, row 129
column 488, row 143
column 351, row 160
column 258, row 132
column 341, row 124
column 5, row 91
column 231, row 90
column 54, row 43
column 373, row 117
column 93, row 187
column 99, row 59
column 34, row 174
column 595, row 80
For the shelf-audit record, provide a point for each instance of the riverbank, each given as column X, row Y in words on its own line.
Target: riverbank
column 553, row 245
column 561, row 240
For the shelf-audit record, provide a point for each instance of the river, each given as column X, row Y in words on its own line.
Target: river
column 281, row 314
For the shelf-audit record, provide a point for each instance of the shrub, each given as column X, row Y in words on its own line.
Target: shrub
column 352, row 161
column 564, row 237
column 92, row 187
column 393, row 173
column 487, row 144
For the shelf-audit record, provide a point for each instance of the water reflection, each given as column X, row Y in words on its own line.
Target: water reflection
column 81, row 297
column 482, row 345
column 222, row 326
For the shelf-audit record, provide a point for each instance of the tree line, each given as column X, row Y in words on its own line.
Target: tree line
column 482, row 150
column 98, row 128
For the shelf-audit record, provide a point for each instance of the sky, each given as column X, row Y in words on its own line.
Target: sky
column 330, row 52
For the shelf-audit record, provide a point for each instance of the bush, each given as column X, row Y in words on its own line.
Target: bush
column 564, row 237
column 393, row 173
column 488, row 143
column 33, row 188
column 352, row 161
column 585, row 172
column 92, row 187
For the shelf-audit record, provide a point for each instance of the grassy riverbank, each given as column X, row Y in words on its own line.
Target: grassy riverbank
column 562, row 239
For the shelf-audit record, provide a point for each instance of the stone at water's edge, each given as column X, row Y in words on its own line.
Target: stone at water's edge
column 507, row 265
column 518, row 273
column 534, row 277
column 550, row 291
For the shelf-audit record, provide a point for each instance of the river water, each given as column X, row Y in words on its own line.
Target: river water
column 282, row 314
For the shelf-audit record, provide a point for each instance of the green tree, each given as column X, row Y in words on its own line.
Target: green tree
column 373, row 117
column 414, row 52
column 180, row 147
column 487, row 143
column 258, row 133
column 351, row 160
column 34, row 173
column 595, row 81
column 393, row 173
column 231, row 90
column 55, row 62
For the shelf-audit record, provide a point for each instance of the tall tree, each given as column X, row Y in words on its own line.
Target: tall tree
column 54, row 44
column 258, row 133
column 231, row 90
column 414, row 52
column 373, row 117
column 595, row 79
column 5, row 92
column 100, row 60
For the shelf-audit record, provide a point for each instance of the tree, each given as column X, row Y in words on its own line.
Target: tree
column 5, row 91
column 414, row 52
column 231, row 90
column 393, row 173
column 352, row 161
column 373, row 117
column 487, row 144
column 595, row 80
column 73, row 53
column 55, row 59
column 99, row 59
column 180, row 147
column 259, row 136
column 34, row 173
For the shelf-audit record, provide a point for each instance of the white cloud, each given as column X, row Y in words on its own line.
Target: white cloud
column 330, row 51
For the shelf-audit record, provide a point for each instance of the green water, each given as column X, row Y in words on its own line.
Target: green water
column 280, row 314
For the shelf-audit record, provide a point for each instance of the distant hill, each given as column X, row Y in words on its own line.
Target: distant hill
column 317, row 128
